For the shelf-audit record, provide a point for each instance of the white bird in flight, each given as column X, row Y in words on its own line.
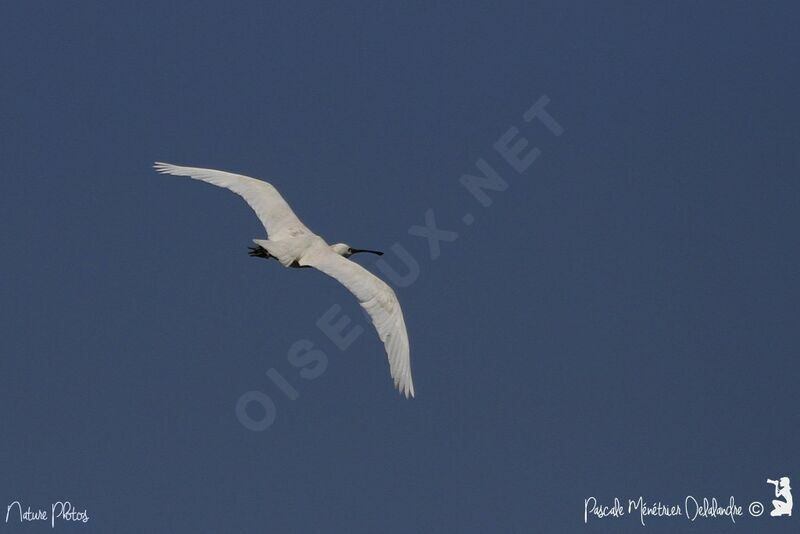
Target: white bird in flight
column 294, row 245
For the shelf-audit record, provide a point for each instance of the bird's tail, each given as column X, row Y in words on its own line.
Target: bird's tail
column 279, row 249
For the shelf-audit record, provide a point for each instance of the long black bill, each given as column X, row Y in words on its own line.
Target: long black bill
column 357, row 250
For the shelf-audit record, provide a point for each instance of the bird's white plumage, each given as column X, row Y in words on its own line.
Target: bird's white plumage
column 380, row 302
column 291, row 241
column 275, row 214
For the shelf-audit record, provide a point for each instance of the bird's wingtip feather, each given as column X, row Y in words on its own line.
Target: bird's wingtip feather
column 166, row 168
column 406, row 389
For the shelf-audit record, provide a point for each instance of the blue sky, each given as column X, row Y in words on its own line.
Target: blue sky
column 620, row 321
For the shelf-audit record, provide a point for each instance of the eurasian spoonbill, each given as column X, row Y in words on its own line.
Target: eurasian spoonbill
column 294, row 245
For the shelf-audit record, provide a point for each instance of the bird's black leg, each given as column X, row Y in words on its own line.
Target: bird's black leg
column 259, row 252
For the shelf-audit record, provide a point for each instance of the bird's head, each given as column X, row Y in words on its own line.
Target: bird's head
column 345, row 250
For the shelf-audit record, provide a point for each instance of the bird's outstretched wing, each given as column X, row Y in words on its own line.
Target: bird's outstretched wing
column 274, row 212
column 381, row 304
